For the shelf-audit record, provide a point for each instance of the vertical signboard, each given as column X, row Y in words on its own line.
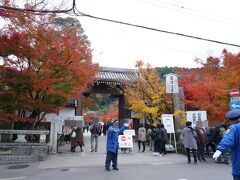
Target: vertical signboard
column 172, row 83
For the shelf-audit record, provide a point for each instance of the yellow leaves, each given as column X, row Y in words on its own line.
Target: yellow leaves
column 181, row 116
column 147, row 94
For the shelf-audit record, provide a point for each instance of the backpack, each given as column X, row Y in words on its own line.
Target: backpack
column 152, row 135
column 164, row 135
column 95, row 129
column 158, row 135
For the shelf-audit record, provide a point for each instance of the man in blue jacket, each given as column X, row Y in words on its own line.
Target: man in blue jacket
column 231, row 140
column 112, row 146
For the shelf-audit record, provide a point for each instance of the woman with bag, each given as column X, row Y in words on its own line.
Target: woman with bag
column 73, row 135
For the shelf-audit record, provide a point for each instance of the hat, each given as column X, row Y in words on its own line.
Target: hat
column 233, row 114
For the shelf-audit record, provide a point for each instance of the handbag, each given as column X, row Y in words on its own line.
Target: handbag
column 73, row 134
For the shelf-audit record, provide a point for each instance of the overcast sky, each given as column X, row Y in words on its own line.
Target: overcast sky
column 116, row 45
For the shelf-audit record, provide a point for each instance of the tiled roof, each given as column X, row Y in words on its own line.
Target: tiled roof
column 116, row 75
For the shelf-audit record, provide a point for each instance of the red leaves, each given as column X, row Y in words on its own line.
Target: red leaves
column 45, row 66
column 209, row 88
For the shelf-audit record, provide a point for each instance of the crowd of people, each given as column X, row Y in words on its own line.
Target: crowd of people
column 200, row 140
column 216, row 141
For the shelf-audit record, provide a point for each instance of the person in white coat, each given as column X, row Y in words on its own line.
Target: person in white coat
column 141, row 137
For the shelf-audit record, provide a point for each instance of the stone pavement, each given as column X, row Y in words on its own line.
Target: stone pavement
column 135, row 166
column 88, row 158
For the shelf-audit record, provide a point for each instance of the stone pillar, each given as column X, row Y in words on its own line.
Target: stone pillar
column 178, row 100
column 53, row 136
column 179, row 105
column 124, row 112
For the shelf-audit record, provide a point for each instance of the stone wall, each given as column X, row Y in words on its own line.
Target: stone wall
column 21, row 150
column 15, row 152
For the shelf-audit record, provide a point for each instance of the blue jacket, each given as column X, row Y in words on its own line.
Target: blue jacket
column 112, row 138
column 231, row 140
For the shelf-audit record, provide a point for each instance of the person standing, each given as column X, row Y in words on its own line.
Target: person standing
column 112, row 146
column 67, row 134
column 164, row 139
column 73, row 136
column 79, row 138
column 141, row 137
column 189, row 141
column 95, row 131
column 201, row 143
column 231, row 140
column 104, row 129
column 158, row 141
column 150, row 137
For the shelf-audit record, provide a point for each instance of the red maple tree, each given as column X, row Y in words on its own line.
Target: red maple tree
column 208, row 88
column 42, row 65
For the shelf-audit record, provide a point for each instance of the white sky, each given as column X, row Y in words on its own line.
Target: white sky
column 121, row 46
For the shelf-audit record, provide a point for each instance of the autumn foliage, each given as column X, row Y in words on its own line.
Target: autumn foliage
column 146, row 95
column 112, row 114
column 43, row 65
column 208, row 88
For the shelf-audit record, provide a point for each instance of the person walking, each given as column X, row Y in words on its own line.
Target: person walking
column 95, row 131
column 231, row 140
column 141, row 137
column 189, row 141
column 112, row 146
column 79, row 138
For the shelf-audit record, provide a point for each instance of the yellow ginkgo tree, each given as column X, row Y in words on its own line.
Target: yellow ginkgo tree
column 146, row 94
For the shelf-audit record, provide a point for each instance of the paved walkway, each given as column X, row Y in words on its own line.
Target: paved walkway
column 88, row 158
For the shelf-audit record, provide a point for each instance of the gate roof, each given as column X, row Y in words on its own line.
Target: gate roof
column 116, row 75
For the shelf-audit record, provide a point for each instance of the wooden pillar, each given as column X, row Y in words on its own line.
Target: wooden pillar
column 124, row 112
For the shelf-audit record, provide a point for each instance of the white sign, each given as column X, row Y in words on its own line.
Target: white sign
column 125, row 141
column 42, row 138
column 129, row 132
column 172, row 83
column 195, row 116
column 167, row 120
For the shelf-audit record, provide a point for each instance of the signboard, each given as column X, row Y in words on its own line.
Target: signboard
column 167, row 120
column 129, row 132
column 235, row 99
column 5, row 151
column 234, row 105
column 172, row 83
column 73, row 121
column 195, row 116
column 42, row 138
column 125, row 141
column 234, row 92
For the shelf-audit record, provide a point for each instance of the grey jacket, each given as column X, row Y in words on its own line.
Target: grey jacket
column 142, row 134
column 189, row 140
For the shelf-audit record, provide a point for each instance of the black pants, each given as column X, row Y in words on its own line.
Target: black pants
column 111, row 156
column 139, row 145
column 158, row 146
column 200, row 150
column 163, row 147
column 189, row 156
column 235, row 177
